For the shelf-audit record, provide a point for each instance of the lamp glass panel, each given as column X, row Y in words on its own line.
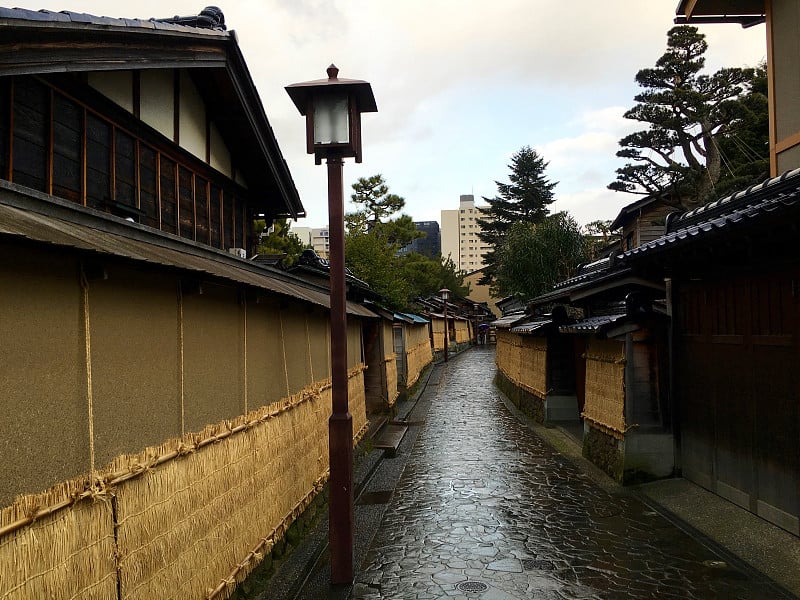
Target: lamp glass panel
column 331, row 120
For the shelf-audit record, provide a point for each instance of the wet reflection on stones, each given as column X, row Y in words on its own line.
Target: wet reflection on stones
column 484, row 499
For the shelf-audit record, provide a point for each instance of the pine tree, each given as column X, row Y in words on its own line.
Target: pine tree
column 526, row 198
column 378, row 203
column 688, row 115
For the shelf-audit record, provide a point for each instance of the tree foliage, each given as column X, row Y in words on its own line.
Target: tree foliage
column 373, row 195
column 688, row 115
column 280, row 241
column 374, row 261
column 534, row 257
column 525, row 198
column 427, row 276
column 372, row 244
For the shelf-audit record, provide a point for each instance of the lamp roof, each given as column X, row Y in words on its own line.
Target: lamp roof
column 362, row 90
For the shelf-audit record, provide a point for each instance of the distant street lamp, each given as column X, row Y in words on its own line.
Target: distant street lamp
column 445, row 294
column 475, row 313
column 333, row 108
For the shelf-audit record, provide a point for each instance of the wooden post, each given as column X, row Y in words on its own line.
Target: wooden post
column 340, row 425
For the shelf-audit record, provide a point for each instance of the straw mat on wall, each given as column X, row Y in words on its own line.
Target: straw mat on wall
column 187, row 519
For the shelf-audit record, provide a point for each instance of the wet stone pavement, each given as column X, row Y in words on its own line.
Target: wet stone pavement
column 486, row 509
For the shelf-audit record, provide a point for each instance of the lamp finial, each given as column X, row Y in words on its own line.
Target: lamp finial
column 333, row 71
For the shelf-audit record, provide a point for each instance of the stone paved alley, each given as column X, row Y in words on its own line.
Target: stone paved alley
column 485, row 509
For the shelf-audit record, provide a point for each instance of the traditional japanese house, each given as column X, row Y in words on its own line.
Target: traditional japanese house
column 642, row 221
column 598, row 369
column 536, row 366
column 412, row 348
column 165, row 402
column 733, row 268
column 381, row 384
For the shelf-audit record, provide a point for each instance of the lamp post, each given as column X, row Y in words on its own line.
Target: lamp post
column 333, row 108
column 445, row 293
column 475, row 312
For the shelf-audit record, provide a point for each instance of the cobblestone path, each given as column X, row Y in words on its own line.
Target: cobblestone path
column 485, row 509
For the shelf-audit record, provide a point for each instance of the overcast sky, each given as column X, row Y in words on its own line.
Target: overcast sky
column 460, row 86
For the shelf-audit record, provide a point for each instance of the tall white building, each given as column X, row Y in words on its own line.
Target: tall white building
column 320, row 241
column 316, row 237
column 304, row 233
column 460, row 238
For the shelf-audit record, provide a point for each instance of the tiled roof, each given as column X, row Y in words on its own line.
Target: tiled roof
column 69, row 17
column 592, row 324
column 586, row 272
column 508, row 321
column 770, row 198
column 532, row 327
column 412, row 317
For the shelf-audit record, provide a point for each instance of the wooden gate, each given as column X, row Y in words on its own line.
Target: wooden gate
column 737, row 372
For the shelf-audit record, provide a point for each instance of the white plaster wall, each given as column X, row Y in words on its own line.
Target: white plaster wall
column 114, row 85
column 192, row 118
column 220, row 155
column 156, row 106
column 240, row 180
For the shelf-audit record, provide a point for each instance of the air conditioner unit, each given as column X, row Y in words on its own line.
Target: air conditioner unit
column 240, row 252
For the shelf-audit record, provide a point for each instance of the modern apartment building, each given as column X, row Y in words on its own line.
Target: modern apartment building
column 320, row 241
column 460, row 235
column 430, row 245
column 316, row 237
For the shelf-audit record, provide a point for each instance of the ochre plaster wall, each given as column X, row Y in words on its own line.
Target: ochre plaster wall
column 43, row 429
column 135, row 352
column 144, row 324
column 293, row 321
column 213, row 325
column 354, row 354
column 266, row 382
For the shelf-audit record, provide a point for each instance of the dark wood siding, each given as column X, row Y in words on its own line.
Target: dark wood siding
column 98, row 162
column 186, row 199
column 215, row 212
column 5, row 125
column 736, row 374
column 148, row 185
column 67, row 149
column 169, row 209
column 125, row 169
column 31, row 133
column 201, row 209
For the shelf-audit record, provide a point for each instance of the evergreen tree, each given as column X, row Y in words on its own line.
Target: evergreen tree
column 280, row 241
column 745, row 148
column 688, row 115
column 427, row 276
column 525, row 199
column 534, row 257
column 378, row 203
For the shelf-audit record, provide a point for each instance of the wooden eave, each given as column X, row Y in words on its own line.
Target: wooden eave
column 212, row 58
column 744, row 12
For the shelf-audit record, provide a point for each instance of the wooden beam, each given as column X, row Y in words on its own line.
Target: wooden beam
column 689, row 8
column 789, row 142
column 773, row 128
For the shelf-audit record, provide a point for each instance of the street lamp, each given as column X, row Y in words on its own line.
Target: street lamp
column 333, row 108
column 445, row 294
column 475, row 313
